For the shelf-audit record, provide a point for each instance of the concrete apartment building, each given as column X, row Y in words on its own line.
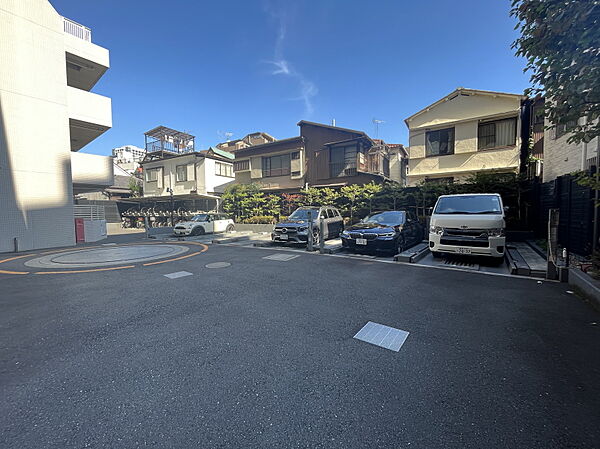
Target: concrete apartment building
column 321, row 156
column 466, row 132
column 48, row 66
column 128, row 157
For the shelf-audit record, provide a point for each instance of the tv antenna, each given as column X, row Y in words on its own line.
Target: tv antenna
column 377, row 122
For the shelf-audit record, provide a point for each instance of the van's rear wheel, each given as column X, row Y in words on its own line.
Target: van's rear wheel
column 230, row 228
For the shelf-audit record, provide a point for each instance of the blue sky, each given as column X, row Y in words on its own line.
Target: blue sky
column 210, row 67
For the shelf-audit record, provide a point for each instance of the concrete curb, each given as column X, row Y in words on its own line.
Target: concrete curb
column 588, row 287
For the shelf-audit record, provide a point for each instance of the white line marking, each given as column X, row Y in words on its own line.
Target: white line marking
column 178, row 274
column 343, row 256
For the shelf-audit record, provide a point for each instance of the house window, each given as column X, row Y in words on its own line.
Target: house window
column 222, row 169
column 152, row 174
column 296, row 155
column 295, row 173
column 500, row 133
column 563, row 128
column 181, row 173
column 276, row 166
column 241, row 165
column 343, row 161
column 439, row 142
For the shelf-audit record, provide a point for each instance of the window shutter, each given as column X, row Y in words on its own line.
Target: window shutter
column 191, row 172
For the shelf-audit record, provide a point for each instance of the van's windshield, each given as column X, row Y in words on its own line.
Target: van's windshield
column 468, row 204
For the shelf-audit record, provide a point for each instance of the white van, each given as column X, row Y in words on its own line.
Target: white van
column 468, row 224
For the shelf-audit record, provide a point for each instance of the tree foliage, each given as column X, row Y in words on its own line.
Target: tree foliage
column 560, row 40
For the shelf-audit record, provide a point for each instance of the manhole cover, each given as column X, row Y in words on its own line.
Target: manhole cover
column 218, row 265
column 106, row 256
column 281, row 257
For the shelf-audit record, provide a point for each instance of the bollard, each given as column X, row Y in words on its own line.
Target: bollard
column 309, row 236
column 321, row 236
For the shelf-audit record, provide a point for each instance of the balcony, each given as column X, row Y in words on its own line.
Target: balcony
column 91, row 172
column 341, row 169
column 89, row 116
column 86, row 62
column 76, row 29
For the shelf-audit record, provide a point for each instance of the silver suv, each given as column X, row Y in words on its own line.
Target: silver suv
column 295, row 227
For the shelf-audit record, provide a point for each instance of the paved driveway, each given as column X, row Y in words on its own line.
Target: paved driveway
column 261, row 354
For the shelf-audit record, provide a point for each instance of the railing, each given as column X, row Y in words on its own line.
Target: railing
column 76, row 29
column 340, row 169
column 151, row 147
column 89, row 212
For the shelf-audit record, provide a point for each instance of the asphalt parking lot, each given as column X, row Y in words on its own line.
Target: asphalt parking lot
column 260, row 353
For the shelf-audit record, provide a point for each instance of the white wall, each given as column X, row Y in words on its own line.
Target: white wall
column 35, row 163
column 36, row 190
column 212, row 182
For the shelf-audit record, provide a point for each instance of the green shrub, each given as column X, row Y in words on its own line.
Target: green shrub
column 260, row 219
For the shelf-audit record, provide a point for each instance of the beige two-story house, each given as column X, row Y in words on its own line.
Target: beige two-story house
column 206, row 172
column 466, row 132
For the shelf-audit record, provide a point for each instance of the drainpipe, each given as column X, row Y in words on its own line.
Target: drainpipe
column 596, row 192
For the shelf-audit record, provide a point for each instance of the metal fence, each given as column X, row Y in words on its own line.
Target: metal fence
column 89, row 212
column 575, row 204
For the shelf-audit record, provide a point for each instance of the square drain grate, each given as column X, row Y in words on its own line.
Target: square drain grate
column 461, row 264
column 384, row 336
column 281, row 257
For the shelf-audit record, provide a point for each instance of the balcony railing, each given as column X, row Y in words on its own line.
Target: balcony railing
column 340, row 169
column 76, row 29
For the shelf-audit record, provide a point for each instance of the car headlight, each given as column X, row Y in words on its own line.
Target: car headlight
column 387, row 234
column 345, row 235
column 303, row 229
column 497, row 232
column 436, row 230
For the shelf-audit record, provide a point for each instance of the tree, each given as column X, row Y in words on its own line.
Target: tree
column 561, row 41
column 135, row 186
column 236, row 200
column 312, row 197
column 290, row 201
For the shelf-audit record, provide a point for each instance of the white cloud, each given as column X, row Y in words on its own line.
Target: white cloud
column 281, row 66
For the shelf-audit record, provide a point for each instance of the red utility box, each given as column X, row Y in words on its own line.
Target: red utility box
column 79, row 230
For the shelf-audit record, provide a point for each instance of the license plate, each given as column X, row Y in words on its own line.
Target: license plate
column 361, row 241
column 463, row 250
column 283, row 237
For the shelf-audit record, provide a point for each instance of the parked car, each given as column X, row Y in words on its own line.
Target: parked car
column 295, row 227
column 203, row 224
column 468, row 224
column 390, row 231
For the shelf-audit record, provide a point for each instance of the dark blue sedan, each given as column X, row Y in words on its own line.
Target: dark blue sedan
column 390, row 231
